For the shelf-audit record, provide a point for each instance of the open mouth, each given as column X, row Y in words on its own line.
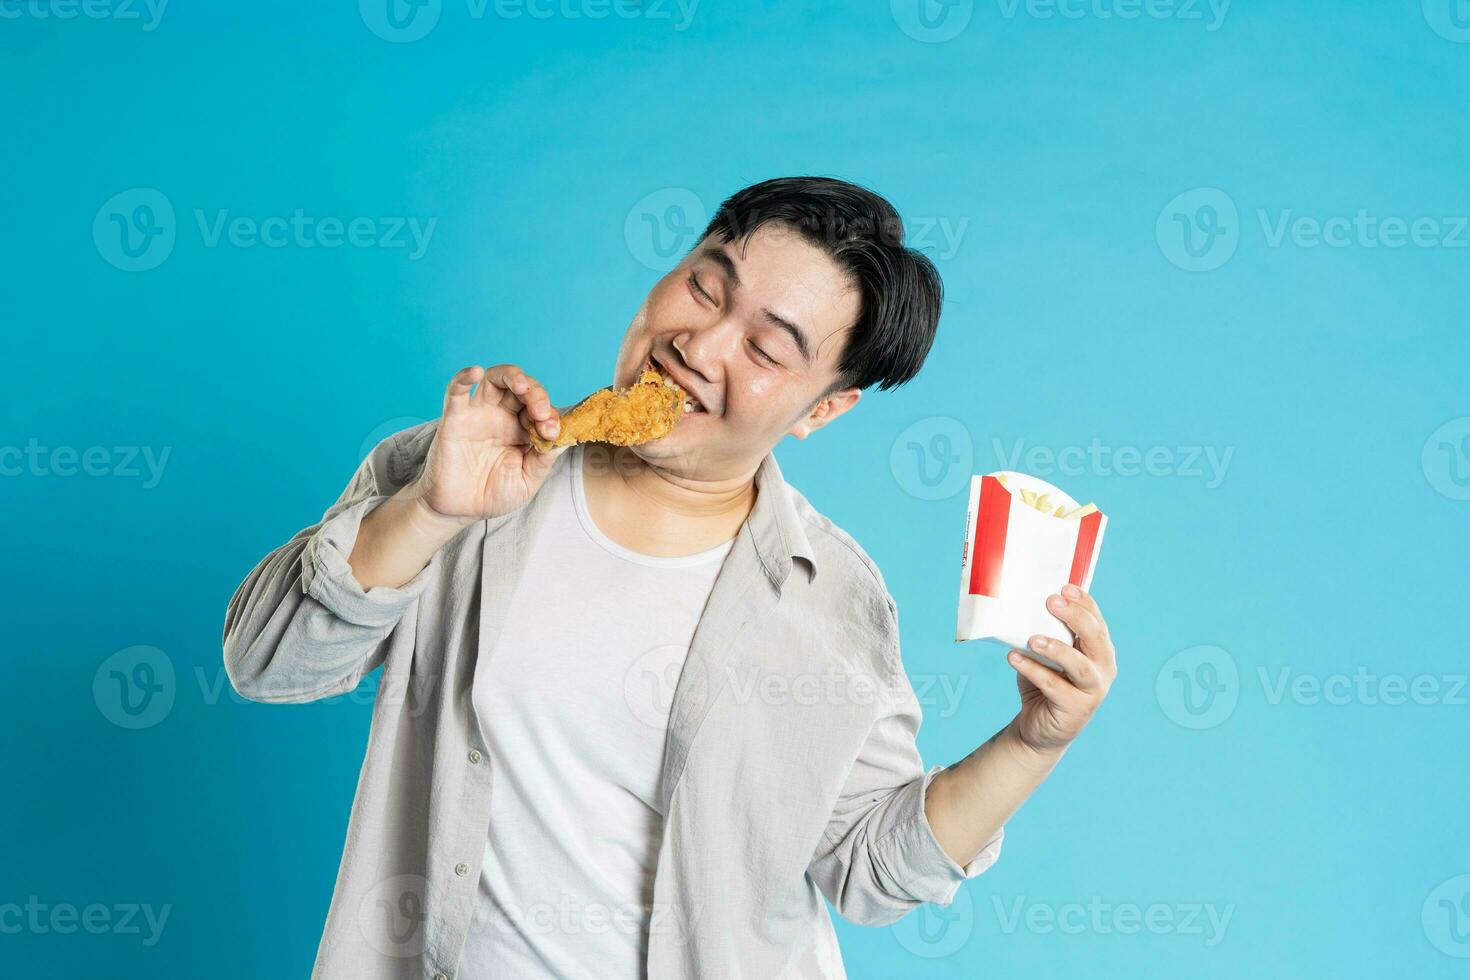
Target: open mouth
column 692, row 405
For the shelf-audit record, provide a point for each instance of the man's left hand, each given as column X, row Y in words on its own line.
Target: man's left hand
column 1057, row 705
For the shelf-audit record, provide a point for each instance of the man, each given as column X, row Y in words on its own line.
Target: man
column 642, row 708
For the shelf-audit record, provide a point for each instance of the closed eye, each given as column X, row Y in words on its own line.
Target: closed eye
column 698, row 289
column 766, row 357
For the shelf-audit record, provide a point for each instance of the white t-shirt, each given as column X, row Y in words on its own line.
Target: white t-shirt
column 574, row 708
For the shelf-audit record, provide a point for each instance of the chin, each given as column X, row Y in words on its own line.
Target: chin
column 680, row 452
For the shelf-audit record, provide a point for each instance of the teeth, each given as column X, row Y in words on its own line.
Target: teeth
column 690, row 405
column 649, row 365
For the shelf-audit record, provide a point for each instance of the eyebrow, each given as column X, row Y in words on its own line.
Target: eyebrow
column 727, row 266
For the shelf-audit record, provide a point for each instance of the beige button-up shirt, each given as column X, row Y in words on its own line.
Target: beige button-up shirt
column 790, row 769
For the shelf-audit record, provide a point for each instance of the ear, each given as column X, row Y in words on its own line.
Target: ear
column 827, row 409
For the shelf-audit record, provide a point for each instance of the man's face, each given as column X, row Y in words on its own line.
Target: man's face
column 753, row 331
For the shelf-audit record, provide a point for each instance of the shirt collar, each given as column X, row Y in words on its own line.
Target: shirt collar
column 776, row 527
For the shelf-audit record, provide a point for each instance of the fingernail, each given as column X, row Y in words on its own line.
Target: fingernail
column 1038, row 642
column 1058, row 601
column 1072, row 592
column 1015, row 657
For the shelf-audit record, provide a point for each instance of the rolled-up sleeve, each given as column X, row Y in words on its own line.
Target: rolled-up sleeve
column 915, row 857
column 879, row 858
column 300, row 627
column 327, row 577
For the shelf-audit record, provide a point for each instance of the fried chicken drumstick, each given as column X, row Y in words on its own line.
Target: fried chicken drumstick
column 628, row 416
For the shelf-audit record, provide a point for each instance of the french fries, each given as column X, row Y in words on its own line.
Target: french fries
column 1042, row 502
column 1016, row 556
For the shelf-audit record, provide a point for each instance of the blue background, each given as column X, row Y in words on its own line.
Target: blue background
column 1333, row 545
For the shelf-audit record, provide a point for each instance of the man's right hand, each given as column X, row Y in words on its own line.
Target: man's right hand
column 480, row 465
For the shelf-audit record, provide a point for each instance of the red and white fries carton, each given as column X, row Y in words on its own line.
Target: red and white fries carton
column 1017, row 555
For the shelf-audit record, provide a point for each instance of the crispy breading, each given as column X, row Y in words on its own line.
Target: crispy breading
column 628, row 416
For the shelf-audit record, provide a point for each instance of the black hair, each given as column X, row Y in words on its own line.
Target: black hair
column 901, row 291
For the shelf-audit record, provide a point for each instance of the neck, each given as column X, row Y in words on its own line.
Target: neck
column 662, row 511
column 674, row 493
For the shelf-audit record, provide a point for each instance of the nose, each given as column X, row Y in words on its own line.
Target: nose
column 704, row 349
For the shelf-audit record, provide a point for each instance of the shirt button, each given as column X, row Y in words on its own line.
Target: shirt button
column 475, row 757
column 440, row 976
column 461, row 869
